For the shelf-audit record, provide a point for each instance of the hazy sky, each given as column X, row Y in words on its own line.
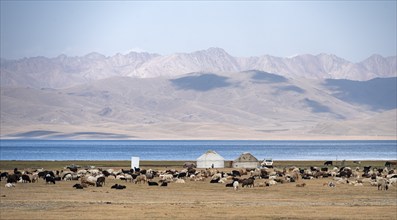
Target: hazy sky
column 353, row 30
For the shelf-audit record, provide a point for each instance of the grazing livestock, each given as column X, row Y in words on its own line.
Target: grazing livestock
column 3, row 175
column 324, row 169
column 100, row 181
column 301, row 185
column 117, row 186
column 215, row 180
column 87, row 181
column 9, row 185
column 181, row 175
column 180, row 181
column 12, row 178
column 152, row 183
column 166, row 177
column 49, row 179
column 191, row 171
column 393, row 176
column 126, row 177
column 248, row 182
column 126, row 171
column 35, row 178
column 382, row 184
column 43, row 174
column 17, row 172
column 331, row 184
column 141, row 179
column 78, row 186
column 106, row 173
column 390, row 163
column 235, row 185
column 345, row 172
column 73, row 169
column 236, row 173
column 67, row 177
column 149, row 176
column 229, row 185
column 328, row 163
column 164, row 184
column 367, row 169
column 271, row 183
column 26, row 178
column 189, row 165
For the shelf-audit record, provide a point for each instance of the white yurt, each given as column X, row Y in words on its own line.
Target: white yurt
column 246, row 160
column 210, row 159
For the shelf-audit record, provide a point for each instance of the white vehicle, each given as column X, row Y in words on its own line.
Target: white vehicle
column 267, row 163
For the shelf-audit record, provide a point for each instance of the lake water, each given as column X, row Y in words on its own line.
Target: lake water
column 191, row 150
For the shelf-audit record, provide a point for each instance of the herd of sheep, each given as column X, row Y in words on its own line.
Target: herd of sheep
column 383, row 178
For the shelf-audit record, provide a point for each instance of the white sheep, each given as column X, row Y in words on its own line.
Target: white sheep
column 9, row 185
column 216, row 176
column 272, row 182
column 393, row 181
column 235, row 185
column 120, row 176
column 68, row 177
column 223, row 180
column 180, row 181
column 82, row 172
column 92, row 179
column 166, row 177
column 94, row 172
column 128, row 177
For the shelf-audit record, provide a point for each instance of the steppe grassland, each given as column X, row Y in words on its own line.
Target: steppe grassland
column 193, row 200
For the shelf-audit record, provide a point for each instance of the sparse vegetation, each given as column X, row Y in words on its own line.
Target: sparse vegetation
column 193, row 200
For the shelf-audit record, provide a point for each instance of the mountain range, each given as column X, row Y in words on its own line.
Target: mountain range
column 64, row 71
column 202, row 95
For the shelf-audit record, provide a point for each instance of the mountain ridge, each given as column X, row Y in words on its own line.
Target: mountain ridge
column 63, row 71
column 240, row 105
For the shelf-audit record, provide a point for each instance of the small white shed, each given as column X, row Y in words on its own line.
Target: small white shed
column 134, row 162
column 210, row 159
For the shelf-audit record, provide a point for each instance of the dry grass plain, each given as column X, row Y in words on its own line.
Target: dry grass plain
column 193, row 200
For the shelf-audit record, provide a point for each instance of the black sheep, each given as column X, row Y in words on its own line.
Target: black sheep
column 12, row 178
column 236, row 173
column 4, row 175
column 181, row 175
column 152, row 183
column 229, row 185
column 117, row 186
column 100, row 181
column 26, row 178
column 78, row 186
column 49, row 179
column 215, row 180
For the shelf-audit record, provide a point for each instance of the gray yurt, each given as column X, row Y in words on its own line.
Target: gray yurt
column 246, row 160
column 210, row 159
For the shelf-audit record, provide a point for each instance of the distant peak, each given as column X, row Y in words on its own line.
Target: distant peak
column 330, row 56
column 62, row 55
column 376, row 56
column 94, row 55
column 214, row 51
